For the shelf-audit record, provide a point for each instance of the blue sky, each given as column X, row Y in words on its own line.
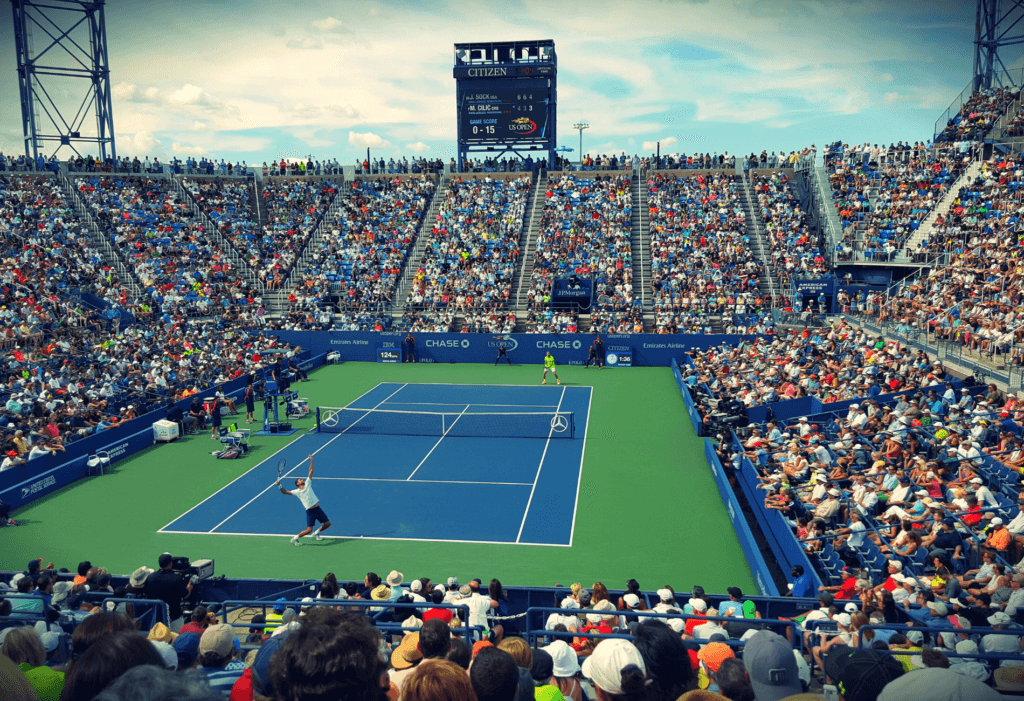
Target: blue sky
column 260, row 80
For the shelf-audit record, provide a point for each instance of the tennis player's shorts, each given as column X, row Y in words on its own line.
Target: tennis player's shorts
column 315, row 514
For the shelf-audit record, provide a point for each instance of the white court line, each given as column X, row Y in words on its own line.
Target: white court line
column 539, row 467
column 381, row 479
column 361, row 537
column 274, row 484
column 455, row 384
column 439, row 441
column 579, row 477
column 271, row 457
column 536, row 406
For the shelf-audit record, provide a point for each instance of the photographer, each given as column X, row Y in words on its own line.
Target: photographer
column 170, row 587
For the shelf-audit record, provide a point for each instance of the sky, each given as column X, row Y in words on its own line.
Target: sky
column 259, row 80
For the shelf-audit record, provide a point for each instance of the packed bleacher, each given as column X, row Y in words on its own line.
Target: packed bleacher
column 585, row 231
column 883, row 195
column 176, row 260
column 969, row 301
column 472, row 251
column 85, row 634
column 978, row 115
column 701, row 260
column 365, row 250
column 794, row 252
column 293, row 210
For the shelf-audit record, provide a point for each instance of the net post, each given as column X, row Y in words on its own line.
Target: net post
column 318, row 420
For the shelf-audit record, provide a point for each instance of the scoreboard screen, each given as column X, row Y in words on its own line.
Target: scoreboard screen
column 502, row 110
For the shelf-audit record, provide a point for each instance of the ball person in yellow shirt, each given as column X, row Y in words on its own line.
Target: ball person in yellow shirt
column 549, row 364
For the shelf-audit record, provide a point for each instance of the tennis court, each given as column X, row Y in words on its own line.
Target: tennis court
column 412, row 461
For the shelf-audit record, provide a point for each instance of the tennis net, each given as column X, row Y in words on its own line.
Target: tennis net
column 462, row 425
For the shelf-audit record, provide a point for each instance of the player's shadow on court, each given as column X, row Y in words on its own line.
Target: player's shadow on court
column 335, row 540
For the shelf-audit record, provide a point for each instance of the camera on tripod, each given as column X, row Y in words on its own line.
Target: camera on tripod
column 186, row 568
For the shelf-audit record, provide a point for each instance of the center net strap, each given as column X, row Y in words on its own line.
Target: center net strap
column 386, row 422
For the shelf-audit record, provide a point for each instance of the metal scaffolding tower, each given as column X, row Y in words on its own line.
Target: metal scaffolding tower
column 62, row 44
column 998, row 24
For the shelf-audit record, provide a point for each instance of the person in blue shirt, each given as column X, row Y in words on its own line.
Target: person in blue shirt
column 802, row 586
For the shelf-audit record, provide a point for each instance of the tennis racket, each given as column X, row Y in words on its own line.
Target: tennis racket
column 281, row 464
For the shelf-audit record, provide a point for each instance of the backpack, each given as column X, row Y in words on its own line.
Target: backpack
column 231, row 452
column 243, row 689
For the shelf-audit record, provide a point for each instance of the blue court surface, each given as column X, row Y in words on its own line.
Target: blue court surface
column 419, row 487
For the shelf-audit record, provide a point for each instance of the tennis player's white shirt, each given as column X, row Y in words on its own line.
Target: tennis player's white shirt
column 306, row 495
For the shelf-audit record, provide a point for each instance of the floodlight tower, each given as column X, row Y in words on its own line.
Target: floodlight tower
column 998, row 24
column 580, row 126
column 63, row 75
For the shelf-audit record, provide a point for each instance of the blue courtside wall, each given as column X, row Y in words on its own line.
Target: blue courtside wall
column 755, row 558
column 790, row 409
column 568, row 349
column 781, row 539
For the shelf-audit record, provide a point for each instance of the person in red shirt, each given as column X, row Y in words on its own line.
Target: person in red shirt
column 200, row 621
column 445, row 615
column 848, row 588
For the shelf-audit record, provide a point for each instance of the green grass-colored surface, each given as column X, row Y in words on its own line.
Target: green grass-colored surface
column 648, row 505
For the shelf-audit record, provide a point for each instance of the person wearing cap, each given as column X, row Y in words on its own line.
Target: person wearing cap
column 771, row 666
column 861, row 675
column 847, row 589
column 617, row 670
column 851, row 538
column 829, row 509
column 998, row 539
column 217, row 648
column 1006, row 643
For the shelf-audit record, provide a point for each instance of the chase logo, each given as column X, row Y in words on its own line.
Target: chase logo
column 575, row 345
column 510, row 343
column 464, row 343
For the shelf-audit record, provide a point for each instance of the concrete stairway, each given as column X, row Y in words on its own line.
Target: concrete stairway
column 528, row 246
column 923, row 231
column 769, row 284
column 420, row 243
column 237, row 262
column 640, row 244
column 111, row 257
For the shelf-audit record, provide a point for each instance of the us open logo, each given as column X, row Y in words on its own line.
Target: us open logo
column 559, row 423
column 510, row 343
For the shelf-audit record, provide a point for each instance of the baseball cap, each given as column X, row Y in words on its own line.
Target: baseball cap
column 187, row 647
column 218, row 639
column 772, row 668
column 866, row 673
column 939, row 607
column 665, row 594
column 609, row 660
column 714, row 654
column 997, row 521
column 631, row 600
column 566, row 664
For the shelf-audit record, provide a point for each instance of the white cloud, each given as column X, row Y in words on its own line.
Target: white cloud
column 140, row 144
column 187, row 150
column 367, row 140
column 190, row 94
column 665, row 143
column 330, row 24
column 418, row 147
column 301, row 110
column 344, row 110
column 312, row 43
column 199, row 126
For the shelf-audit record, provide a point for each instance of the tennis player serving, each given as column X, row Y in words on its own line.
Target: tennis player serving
column 314, row 513
column 549, row 364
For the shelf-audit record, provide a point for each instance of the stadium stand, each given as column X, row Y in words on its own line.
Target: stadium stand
column 978, row 115
column 362, row 256
column 700, row 255
column 175, row 260
column 472, row 252
column 883, row 196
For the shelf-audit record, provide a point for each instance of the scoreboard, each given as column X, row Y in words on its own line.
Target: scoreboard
column 491, row 110
column 506, row 100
